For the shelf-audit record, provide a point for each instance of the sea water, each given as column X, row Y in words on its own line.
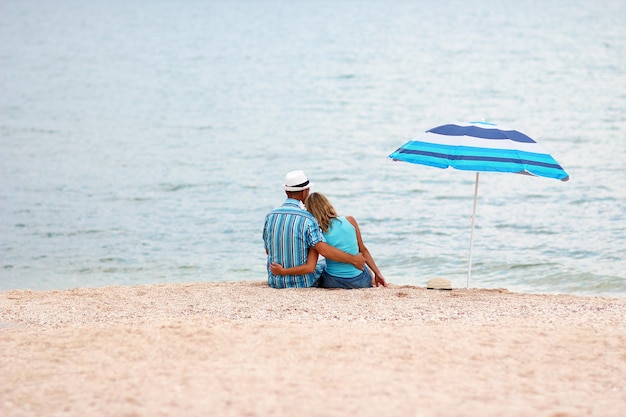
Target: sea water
column 144, row 141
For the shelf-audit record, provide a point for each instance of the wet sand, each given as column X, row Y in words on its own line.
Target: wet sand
column 243, row 349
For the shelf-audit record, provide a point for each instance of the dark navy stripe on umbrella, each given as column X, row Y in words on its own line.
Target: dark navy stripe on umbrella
column 479, row 132
column 481, row 163
column 455, row 151
column 479, row 158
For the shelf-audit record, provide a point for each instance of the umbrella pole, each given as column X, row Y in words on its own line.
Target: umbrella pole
column 469, row 268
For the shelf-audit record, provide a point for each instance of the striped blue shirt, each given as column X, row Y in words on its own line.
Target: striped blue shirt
column 288, row 234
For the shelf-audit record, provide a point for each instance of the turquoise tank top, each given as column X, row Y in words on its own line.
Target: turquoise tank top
column 342, row 235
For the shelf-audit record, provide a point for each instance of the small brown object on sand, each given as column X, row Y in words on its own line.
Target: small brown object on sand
column 243, row 349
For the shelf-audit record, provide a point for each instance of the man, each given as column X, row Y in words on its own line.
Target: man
column 290, row 231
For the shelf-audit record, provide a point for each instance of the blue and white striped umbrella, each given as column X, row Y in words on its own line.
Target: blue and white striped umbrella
column 480, row 147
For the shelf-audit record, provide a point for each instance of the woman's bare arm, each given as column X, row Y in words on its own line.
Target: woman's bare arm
column 307, row 268
column 369, row 260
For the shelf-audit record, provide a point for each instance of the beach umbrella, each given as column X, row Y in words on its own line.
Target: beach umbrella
column 480, row 147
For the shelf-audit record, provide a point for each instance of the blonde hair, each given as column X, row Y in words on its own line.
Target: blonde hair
column 319, row 206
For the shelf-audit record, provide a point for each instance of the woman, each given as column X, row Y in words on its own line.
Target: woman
column 343, row 233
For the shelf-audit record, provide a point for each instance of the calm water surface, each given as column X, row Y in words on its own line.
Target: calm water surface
column 144, row 141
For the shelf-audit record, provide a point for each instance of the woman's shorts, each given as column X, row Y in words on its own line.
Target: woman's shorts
column 364, row 280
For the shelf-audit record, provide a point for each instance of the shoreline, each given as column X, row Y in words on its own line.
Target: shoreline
column 242, row 348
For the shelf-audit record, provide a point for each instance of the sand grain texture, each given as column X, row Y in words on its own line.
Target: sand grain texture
column 243, row 349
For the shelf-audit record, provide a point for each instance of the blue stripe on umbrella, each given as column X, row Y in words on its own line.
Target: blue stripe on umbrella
column 489, row 165
column 478, row 132
column 458, row 151
column 453, row 159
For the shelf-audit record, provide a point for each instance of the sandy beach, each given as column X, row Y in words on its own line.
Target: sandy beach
column 243, row 349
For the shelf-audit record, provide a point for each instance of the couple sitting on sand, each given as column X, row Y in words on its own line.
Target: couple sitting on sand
column 294, row 237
